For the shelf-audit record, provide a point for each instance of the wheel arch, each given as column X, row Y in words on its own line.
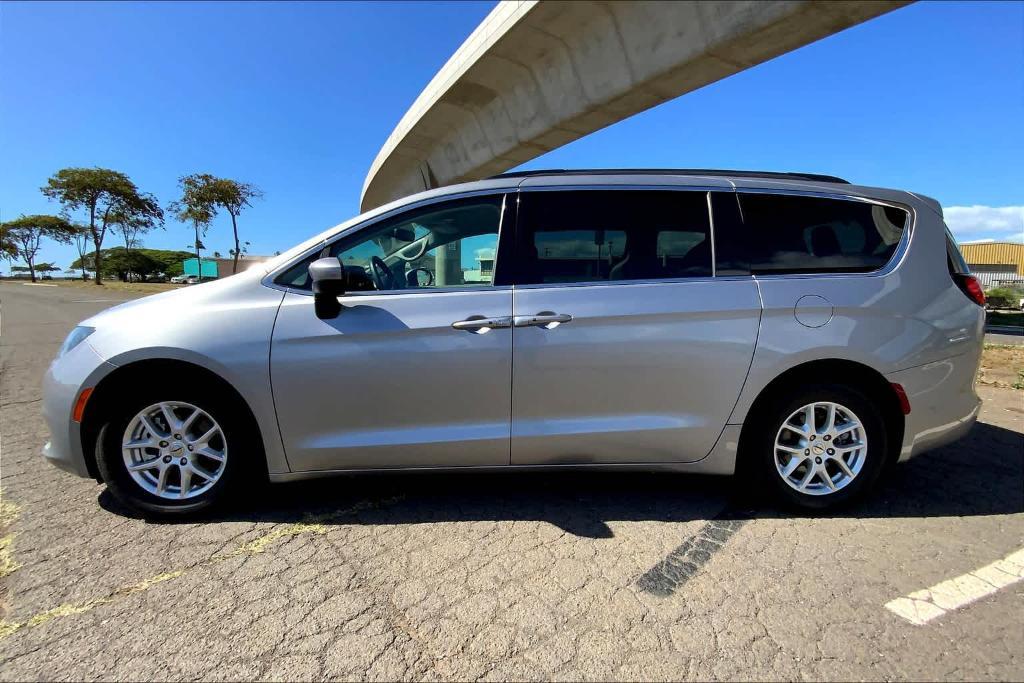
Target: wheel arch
column 104, row 396
column 839, row 371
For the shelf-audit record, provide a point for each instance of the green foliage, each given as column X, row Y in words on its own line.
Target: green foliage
column 197, row 204
column 23, row 236
column 144, row 263
column 1019, row 384
column 108, row 197
column 1003, row 297
column 8, row 250
column 203, row 194
column 233, row 195
column 46, row 268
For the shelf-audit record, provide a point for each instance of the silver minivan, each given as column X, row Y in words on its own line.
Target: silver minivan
column 801, row 329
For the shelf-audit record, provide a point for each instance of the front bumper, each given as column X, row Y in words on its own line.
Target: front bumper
column 943, row 403
column 66, row 377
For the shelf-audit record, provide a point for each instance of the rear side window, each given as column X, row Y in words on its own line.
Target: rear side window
column 610, row 235
column 955, row 260
column 799, row 234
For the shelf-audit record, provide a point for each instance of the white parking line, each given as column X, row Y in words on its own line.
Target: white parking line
column 921, row 607
column 36, row 284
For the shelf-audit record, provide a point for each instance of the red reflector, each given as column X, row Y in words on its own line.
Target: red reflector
column 972, row 288
column 902, row 396
column 79, row 410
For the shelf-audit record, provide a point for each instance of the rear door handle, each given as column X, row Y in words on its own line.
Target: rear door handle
column 545, row 319
column 478, row 324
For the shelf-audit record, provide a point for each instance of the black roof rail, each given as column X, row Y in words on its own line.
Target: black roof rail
column 817, row 177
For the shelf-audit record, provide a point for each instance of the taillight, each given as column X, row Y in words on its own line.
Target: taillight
column 969, row 285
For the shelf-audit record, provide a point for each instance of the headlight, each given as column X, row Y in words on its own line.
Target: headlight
column 76, row 337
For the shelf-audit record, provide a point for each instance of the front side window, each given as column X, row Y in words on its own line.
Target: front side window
column 451, row 244
column 801, row 234
column 607, row 235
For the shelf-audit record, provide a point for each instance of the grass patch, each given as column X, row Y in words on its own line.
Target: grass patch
column 1002, row 365
column 116, row 286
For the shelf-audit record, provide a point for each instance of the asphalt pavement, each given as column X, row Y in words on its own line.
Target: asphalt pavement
column 562, row 576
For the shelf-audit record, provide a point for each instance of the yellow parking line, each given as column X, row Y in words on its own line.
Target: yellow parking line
column 313, row 524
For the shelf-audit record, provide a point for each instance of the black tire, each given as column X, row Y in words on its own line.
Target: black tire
column 242, row 453
column 759, row 449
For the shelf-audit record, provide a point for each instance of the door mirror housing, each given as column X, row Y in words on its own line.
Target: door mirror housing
column 328, row 278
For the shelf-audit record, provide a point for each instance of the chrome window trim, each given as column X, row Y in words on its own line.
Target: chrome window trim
column 423, row 290
column 268, row 279
column 618, row 283
column 892, row 264
column 644, row 186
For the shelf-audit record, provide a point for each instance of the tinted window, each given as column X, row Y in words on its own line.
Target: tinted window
column 452, row 244
column 957, row 264
column 730, row 235
column 598, row 235
column 794, row 234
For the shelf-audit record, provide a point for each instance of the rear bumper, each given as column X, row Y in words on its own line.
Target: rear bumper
column 943, row 403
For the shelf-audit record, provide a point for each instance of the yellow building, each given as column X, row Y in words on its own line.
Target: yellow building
column 995, row 263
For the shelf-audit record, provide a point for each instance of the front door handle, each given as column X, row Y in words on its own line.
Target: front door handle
column 545, row 319
column 478, row 324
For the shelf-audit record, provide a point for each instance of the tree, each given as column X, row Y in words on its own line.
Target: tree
column 45, row 268
column 26, row 234
column 234, row 252
column 197, row 206
column 82, row 246
column 130, row 225
column 232, row 196
column 105, row 195
column 170, row 261
column 8, row 251
column 120, row 263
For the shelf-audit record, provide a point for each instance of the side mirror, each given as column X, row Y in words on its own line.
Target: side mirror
column 328, row 278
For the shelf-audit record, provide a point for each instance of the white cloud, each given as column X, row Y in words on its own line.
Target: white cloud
column 1003, row 223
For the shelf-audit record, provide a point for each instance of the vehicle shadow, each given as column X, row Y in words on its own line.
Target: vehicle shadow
column 983, row 474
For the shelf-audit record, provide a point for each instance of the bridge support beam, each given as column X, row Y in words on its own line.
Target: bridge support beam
column 537, row 75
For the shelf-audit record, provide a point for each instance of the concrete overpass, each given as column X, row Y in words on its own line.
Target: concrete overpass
column 537, row 75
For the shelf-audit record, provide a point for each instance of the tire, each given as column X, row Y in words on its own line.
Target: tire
column 148, row 490
column 779, row 435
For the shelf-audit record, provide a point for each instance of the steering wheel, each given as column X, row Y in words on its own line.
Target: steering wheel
column 382, row 276
column 414, row 281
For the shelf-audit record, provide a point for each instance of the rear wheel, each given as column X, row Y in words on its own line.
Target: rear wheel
column 172, row 454
column 822, row 448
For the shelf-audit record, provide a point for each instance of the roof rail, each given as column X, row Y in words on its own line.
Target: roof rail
column 817, row 177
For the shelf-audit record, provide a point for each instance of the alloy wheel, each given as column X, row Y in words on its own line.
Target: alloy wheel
column 820, row 448
column 174, row 450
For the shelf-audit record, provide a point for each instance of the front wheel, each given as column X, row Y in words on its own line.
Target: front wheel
column 822, row 448
column 171, row 455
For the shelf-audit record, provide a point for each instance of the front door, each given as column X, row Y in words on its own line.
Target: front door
column 627, row 349
column 415, row 371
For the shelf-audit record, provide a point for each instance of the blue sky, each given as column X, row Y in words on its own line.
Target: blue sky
column 297, row 98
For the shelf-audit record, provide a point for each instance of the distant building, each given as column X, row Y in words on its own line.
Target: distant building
column 484, row 271
column 220, row 267
column 995, row 264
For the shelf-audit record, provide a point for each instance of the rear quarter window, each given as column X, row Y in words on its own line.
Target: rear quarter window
column 801, row 234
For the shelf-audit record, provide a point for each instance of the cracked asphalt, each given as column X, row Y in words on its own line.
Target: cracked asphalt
column 561, row 576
